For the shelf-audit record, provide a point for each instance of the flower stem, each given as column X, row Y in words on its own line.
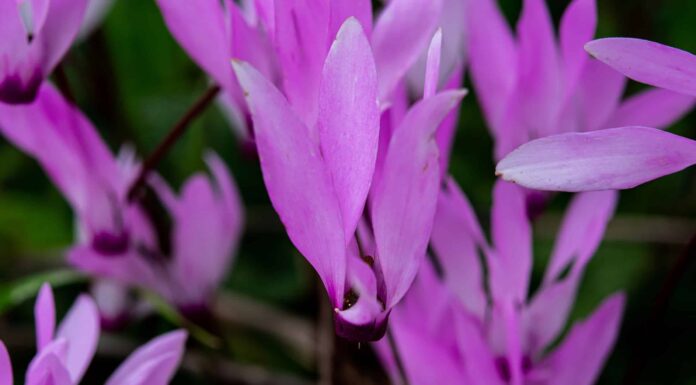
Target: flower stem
column 176, row 132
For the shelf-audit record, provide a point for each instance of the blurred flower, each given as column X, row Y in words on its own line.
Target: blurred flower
column 318, row 177
column 616, row 158
column 63, row 355
column 459, row 325
column 531, row 85
column 94, row 15
column 179, row 247
column 34, row 36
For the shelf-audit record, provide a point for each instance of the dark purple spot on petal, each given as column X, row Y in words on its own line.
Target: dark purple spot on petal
column 15, row 91
column 371, row 331
column 109, row 244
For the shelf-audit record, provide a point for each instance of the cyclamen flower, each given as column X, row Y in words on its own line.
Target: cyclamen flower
column 318, row 178
column 63, row 354
column 122, row 240
column 532, row 84
column 461, row 328
column 616, row 158
column 34, row 36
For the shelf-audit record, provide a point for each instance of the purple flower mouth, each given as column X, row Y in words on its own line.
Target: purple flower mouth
column 14, row 91
column 109, row 244
column 372, row 331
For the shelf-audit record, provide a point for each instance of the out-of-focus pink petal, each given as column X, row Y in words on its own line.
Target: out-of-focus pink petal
column 33, row 14
column 80, row 328
column 511, row 233
column 539, row 77
column 401, row 34
column 578, row 26
column 47, row 369
column 579, row 359
column 477, row 358
column 598, row 96
column 445, row 134
column 405, row 197
column 657, row 108
column 94, row 15
column 432, row 67
column 617, row 158
column 341, row 10
column 648, row 62
column 59, row 30
column 492, row 57
column 456, row 240
column 5, row 366
column 348, row 122
column 11, row 29
column 152, row 364
column 298, row 184
column 44, row 317
column 200, row 27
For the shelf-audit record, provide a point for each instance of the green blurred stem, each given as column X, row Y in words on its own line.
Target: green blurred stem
column 174, row 135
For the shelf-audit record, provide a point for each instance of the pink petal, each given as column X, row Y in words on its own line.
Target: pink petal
column 11, row 29
column 432, row 68
column 492, row 57
column 578, row 26
column 580, row 357
column 598, row 94
column 298, row 184
column 47, row 369
column 80, row 328
column 510, row 267
column 200, row 27
column 446, row 132
column 341, row 10
column 44, row 317
column 34, row 14
column 648, row 62
column 5, row 366
column 404, row 199
column 617, row 158
column 154, row 363
column 657, row 108
column 348, row 121
column 478, row 359
column 59, row 30
column 401, row 34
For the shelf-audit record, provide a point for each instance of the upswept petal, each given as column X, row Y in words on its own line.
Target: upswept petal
column 446, row 133
column 432, row 66
column 401, row 35
column 59, row 30
column 648, row 62
column 578, row 26
column 200, row 28
column 348, row 122
column 154, row 363
column 5, row 366
column 298, row 184
column 404, row 199
column 477, row 357
column 657, row 108
column 47, row 369
column 33, row 14
column 341, row 10
column 579, row 359
column 617, row 158
column 11, row 29
column 80, row 328
column 598, row 96
column 44, row 317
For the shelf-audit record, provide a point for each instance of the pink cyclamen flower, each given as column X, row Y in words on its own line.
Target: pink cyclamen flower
column 457, row 327
column 34, row 36
column 532, row 84
column 125, row 241
column 616, row 158
column 318, row 178
column 64, row 353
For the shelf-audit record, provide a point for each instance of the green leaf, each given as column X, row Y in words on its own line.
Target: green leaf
column 23, row 289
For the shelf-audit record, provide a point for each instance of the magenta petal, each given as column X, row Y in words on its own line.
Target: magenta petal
column 80, row 328
column 598, row 95
column 341, row 10
column 580, row 357
column 404, row 199
column 152, row 364
column 59, row 30
column 348, row 123
column 48, row 369
column 298, row 184
column 432, row 67
column 617, row 158
column 33, row 14
column 14, row 35
column 44, row 317
column 401, row 34
column 200, row 27
column 648, row 62
column 578, row 26
column 657, row 108
column 5, row 366
column 477, row 357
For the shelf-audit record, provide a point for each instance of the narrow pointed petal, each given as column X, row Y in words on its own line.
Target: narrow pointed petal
column 405, row 197
column 59, row 30
column 657, row 108
column 492, row 56
column 154, row 363
column 401, row 34
column 341, row 10
column 298, row 184
column 581, row 356
column 617, row 158
column 648, row 62
column 446, row 133
column 510, row 267
column 47, row 369
column 80, row 328
column 348, row 121
column 5, row 366
column 478, row 359
column 578, row 26
column 199, row 27
column 432, row 67
column 44, row 317
column 598, row 94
